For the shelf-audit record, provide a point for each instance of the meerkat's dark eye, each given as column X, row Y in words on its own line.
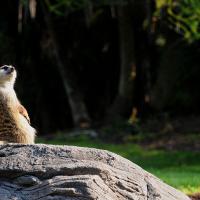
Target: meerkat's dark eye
column 5, row 68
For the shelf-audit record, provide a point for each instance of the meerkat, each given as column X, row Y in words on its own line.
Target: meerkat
column 14, row 120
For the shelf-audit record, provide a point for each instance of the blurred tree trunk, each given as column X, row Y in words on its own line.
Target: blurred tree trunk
column 145, row 53
column 123, row 102
column 80, row 116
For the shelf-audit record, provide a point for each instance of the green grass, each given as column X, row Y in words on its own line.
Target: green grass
column 177, row 168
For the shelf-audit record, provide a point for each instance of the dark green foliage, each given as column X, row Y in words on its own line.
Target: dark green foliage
column 120, row 131
column 183, row 17
column 61, row 7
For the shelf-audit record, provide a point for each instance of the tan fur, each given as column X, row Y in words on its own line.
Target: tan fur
column 14, row 119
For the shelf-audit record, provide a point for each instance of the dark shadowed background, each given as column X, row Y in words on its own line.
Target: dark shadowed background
column 91, row 63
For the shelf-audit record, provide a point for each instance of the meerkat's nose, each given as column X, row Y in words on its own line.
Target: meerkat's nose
column 12, row 68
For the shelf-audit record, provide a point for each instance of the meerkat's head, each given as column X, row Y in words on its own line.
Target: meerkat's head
column 8, row 75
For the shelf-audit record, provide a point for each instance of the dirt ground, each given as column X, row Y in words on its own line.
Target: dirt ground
column 181, row 133
column 195, row 196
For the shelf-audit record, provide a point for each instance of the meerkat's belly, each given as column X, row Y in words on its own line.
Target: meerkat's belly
column 14, row 127
column 7, row 125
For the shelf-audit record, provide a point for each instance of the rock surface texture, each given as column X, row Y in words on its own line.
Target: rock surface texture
column 47, row 172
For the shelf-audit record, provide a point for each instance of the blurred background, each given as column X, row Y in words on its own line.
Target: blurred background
column 91, row 63
column 122, row 71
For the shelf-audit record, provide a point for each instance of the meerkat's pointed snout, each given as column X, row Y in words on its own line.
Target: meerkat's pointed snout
column 8, row 68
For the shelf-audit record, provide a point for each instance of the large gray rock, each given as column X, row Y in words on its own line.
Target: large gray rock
column 47, row 172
